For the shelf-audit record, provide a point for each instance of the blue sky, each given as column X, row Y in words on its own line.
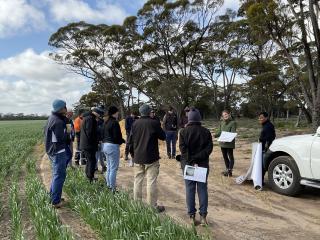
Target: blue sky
column 29, row 79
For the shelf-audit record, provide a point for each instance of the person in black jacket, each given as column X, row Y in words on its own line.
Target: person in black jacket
column 89, row 140
column 145, row 150
column 266, row 138
column 170, row 125
column 112, row 139
column 196, row 145
column 56, row 143
column 128, row 125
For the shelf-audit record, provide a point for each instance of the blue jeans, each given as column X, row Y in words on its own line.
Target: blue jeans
column 59, row 166
column 202, row 189
column 171, row 139
column 112, row 152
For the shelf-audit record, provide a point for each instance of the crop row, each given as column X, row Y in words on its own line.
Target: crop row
column 118, row 216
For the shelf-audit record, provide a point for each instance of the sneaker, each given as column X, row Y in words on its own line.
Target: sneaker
column 230, row 173
column 203, row 221
column 160, row 209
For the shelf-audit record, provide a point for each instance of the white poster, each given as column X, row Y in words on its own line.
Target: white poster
column 227, row 136
column 198, row 174
column 255, row 170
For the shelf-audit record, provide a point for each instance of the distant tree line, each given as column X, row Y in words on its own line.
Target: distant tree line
column 265, row 57
column 21, row 116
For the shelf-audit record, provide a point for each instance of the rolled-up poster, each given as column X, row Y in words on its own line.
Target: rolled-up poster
column 256, row 174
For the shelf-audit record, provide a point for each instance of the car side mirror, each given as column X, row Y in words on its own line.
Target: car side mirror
column 318, row 131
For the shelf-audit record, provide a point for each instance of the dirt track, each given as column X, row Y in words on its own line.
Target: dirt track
column 237, row 211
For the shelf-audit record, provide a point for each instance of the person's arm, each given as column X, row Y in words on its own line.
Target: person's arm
column 59, row 131
column 233, row 127
column 160, row 133
column 218, row 133
column 164, row 122
column 131, row 146
column 88, row 128
column 183, row 146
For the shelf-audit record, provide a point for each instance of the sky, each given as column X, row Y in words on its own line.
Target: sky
column 29, row 79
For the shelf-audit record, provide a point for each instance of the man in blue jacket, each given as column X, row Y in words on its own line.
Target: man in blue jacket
column 56, row 142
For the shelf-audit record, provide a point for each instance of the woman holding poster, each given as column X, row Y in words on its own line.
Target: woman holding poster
column 227, row 125
column 196, row 145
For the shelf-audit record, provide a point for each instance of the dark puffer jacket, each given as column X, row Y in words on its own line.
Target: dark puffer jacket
column 89, row 133
column 195, row 143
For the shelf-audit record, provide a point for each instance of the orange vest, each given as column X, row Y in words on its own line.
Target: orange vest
column 77, row 124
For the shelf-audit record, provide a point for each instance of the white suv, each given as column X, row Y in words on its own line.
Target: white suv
column 294, row 161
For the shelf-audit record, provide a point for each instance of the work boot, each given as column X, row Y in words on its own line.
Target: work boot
column 230, row 173
column 193, row 219
column 225, row 173
column 203, row 220
column 160, row 209
column 58, row 205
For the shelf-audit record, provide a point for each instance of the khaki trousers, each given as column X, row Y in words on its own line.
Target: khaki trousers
column 151, row 171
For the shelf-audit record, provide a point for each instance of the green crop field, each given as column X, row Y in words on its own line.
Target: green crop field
column 26, row 213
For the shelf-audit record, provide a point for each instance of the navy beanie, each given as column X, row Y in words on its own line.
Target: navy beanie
column 58, row 105
column 194, row 115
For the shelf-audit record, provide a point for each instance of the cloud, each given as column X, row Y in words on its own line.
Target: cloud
column 77, row 10
column 29, row 83
column 19, row 16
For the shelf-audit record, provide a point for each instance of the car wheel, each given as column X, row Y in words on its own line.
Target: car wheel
column 284, row 176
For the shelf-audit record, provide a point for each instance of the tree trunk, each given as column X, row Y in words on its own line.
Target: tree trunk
column 299, row 118
column 288, row 114
column 307, row 114
column 316, row 116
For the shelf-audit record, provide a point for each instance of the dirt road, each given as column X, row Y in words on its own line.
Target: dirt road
column 237, row 211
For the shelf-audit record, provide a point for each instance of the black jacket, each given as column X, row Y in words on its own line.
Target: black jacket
column 170, row 122
column 89, row 133
column 195, row 143
column 112, row 132
column 267, row 135
column 143, row 140
column 56, row 137
column 129, row 122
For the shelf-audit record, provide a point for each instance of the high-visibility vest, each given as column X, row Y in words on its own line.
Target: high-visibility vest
column 77, row 124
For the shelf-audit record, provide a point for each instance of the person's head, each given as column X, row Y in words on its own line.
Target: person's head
column 69, row 113
column 132, row 114
column 186, row 110
column 152, row 113
column 145, row 110
column 170, row 110
column 98, row 112
column 226, row 115
column 263, row 117
column 194, row 116
column 59, row 106
column 113, row 111
column 80, row 113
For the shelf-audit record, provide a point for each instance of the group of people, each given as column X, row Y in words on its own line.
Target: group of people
column 98, row 131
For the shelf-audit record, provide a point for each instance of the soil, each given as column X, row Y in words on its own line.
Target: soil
column 236, row 211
